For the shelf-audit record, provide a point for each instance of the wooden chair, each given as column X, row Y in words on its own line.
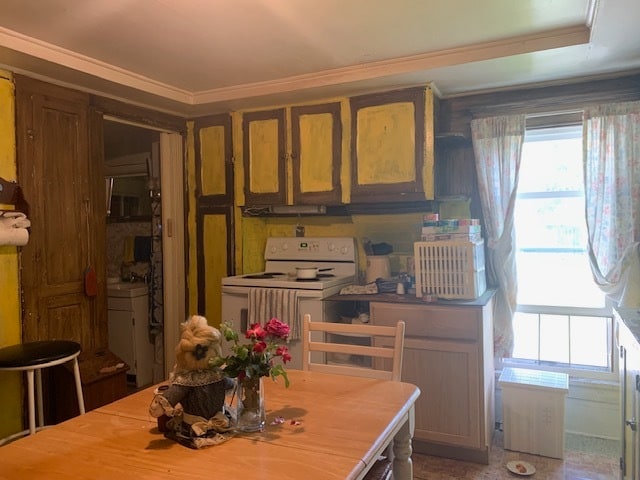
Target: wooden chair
column 384, row 352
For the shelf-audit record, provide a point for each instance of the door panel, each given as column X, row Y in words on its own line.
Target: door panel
column 52, row 132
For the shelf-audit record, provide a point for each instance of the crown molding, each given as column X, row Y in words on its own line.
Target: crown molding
column 556, row 38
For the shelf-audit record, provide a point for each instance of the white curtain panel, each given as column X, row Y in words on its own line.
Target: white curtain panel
column 612, row 197
column 497, row 146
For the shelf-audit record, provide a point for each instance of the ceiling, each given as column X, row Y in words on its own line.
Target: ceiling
column 193, row 57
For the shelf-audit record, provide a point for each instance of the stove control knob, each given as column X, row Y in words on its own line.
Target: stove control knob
column 344, row 250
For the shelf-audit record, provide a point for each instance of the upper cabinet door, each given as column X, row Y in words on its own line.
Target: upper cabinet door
column 264, row 154
column 316, row 137
column 214, row 165
column 392, row 146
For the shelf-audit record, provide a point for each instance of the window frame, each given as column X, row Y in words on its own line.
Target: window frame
column 549, row 129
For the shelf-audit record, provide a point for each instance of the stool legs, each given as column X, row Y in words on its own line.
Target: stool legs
column 33, row 390
column 76, row 374
column 39, row 397
column 30, row 399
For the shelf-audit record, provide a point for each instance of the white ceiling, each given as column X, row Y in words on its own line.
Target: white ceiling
column 193, row 57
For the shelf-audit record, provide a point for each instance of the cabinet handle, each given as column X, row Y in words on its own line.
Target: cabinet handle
column 632, row 424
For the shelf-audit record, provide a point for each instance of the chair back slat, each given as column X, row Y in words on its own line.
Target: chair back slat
column 384, row 349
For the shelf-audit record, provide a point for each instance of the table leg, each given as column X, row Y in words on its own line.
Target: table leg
column 402, row 449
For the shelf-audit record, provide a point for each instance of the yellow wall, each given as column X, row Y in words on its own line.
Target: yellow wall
column 10, row 382
column 398, row 230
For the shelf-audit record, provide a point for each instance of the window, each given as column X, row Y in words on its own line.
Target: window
column 561, row 322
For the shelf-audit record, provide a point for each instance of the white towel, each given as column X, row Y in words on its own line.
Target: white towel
column 281, row 303
column 13, row 228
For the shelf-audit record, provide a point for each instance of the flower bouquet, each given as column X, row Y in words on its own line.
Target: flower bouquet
column 249, row 362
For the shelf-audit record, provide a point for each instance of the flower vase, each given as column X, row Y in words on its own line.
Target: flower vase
column 250, row 415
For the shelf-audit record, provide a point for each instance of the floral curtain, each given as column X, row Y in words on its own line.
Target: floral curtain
column 497, row 146
column 612, row 197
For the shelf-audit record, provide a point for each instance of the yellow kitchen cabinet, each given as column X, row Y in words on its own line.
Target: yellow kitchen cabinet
column 264, row 152
column 448, row 353
column 213, row 160
column 312, row 158
column 214, row 209
column 392, row 146
column 316, row 139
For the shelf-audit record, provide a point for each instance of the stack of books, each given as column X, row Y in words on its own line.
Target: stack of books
column 467, row 229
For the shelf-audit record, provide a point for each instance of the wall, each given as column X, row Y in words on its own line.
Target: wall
column 10, row 396
column 117, row 233
column 399, row 230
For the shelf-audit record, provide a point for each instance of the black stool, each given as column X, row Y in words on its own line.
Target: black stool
column 32, row 357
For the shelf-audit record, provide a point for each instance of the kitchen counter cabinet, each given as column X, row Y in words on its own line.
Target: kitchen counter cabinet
column 392, row 146
column 448, row 354
column 627, row 330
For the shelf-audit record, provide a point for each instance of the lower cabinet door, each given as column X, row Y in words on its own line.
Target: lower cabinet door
column 448, row 409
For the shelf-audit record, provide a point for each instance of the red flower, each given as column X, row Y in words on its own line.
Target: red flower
column 256, row 331
column 277, row 328
column 256, row 357
column 284, row 353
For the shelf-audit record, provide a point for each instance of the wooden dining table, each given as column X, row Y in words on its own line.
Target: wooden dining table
column 323, row 426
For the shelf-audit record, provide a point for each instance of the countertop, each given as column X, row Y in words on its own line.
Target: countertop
column 631, row 318
column 412, row 299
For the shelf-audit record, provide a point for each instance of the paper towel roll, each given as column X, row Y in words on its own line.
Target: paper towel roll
column 14, row 236
column 13, row 228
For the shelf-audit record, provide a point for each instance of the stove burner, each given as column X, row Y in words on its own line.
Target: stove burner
column 264, row 275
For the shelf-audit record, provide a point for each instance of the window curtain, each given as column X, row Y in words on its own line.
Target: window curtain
column 612, row 197
column 497, row 147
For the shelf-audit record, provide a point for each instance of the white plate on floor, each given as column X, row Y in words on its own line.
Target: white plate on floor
column 521, row 468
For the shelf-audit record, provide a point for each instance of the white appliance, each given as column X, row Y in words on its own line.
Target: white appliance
column 335, row 257
column 129, row 338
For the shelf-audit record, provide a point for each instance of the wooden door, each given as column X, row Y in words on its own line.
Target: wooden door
column 67, row 203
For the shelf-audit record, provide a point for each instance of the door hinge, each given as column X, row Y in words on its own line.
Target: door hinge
column 623, row 467
column 637, row 383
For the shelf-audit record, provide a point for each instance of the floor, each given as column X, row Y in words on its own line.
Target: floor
column 585, row 459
